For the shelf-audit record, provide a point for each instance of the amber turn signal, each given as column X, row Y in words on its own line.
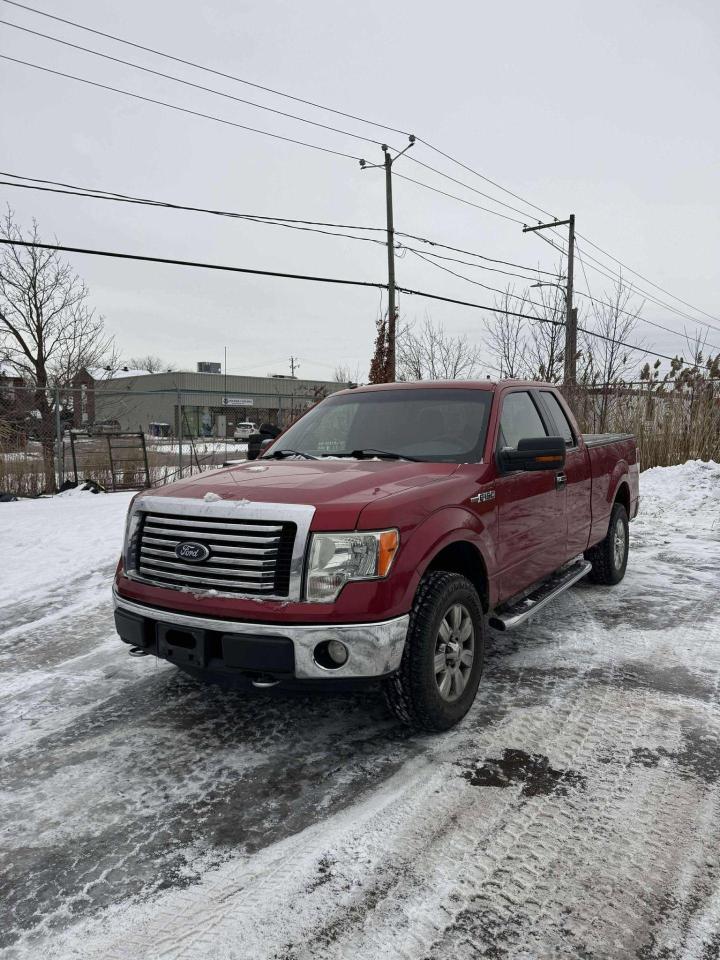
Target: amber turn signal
column 387, row 548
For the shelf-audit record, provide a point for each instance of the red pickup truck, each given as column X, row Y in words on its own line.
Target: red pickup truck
column 376, row 539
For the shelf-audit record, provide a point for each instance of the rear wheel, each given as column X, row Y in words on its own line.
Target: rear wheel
column 609, row 557
column 443, row 657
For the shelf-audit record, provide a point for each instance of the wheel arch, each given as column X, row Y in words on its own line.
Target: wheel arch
column 622, row 495
column 463, row 557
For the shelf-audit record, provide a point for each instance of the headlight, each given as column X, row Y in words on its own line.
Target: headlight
column 132, row 529
column 338, row 558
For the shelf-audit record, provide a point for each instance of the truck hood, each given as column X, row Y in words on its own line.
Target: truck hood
column 338, row 489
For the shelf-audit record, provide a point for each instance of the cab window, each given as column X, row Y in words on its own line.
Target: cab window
column 519, row 420
column 559, row 420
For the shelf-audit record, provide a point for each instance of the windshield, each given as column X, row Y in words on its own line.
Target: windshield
column 421, row 424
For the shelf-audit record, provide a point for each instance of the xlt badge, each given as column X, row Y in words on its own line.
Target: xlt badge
column 483, row 497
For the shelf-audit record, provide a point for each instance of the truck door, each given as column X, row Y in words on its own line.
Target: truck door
column 532, row 526
column 577, row 476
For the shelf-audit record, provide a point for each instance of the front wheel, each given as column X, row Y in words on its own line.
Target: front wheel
column 443, row 657
column 609, row 557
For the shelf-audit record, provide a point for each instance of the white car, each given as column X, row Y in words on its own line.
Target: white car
column 244, row 430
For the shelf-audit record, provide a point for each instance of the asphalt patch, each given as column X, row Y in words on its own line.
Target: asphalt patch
column 532, row 770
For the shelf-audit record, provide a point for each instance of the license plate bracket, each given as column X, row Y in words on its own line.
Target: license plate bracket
column 181, row 645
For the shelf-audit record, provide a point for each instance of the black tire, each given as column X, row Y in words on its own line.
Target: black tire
column 413, row 693
column 608, row 558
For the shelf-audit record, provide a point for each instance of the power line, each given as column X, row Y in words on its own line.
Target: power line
column 273, row 91
column 335, row 280
column 357, row 118
column 189, row 263
column 582, row 265
column 248, row 218
column 606, row 303
column 601, row 268
column 461, row 183
column 460, row 276
column 252, row 103
column 651, row 323
column 452, row 196
column 477, row 266
column 97, row 193
column 189, row 83
column 100, row 194
column 597, row 266
column 498, row 186
column 173, row 106
column 258, row 106
column 276, row 222
column 470, row 253
column 657, row 286
column 198, row 66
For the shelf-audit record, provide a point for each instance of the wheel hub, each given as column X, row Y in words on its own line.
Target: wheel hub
column 454, row 652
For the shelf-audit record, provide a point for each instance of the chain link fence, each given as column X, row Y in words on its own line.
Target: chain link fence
column 129, row 438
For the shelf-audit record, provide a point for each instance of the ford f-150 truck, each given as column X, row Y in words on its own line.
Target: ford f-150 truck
column 376, row 539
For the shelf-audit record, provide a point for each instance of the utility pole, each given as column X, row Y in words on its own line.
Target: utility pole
column 570, row 311
column 392, row 315
column 294, row 365
column 387, row 163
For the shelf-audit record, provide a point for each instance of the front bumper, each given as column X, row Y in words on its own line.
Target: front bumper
column 240, row 647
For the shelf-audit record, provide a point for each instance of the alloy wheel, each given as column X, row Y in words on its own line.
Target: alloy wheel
column 454, row 652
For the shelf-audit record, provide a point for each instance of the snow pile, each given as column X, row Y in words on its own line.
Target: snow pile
column 58, row 540
column 683, row 498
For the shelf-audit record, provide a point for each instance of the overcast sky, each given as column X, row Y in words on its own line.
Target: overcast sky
column 609, row 110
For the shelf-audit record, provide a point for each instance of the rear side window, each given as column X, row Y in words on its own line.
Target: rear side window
column 561, row 422
column 519, row 420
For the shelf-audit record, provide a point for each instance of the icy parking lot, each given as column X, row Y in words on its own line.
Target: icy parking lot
column 575, row 813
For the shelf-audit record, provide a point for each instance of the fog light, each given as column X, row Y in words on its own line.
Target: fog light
column 338, row 652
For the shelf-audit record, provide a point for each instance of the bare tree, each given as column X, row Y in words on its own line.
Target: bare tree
column 48, row 331
column 343, row 373
column 532, row 349
column 546, row 346
column 151, row 363
column 607, row 359
column 507, row 337
column 429, row 353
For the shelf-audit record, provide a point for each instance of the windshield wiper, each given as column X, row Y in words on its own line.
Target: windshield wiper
column 287, row 452
column 367, row 452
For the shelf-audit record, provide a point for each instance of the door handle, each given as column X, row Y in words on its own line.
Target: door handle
column 560, row 481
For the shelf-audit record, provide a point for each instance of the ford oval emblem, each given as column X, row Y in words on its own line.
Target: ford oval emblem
column 191, row 552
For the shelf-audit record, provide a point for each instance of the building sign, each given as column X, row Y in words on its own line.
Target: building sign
column 237, row 402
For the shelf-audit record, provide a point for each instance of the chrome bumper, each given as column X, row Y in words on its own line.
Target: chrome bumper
column 375, row 649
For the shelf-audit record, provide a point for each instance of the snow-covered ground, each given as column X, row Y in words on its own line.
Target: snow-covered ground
column 573, row 814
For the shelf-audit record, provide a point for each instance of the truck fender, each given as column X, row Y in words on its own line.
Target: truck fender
column 444, row 529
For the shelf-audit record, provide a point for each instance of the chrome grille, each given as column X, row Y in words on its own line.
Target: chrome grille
column 246, row 556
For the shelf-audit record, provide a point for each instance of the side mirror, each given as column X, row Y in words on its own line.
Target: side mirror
column 535, row 453
column 257, row 445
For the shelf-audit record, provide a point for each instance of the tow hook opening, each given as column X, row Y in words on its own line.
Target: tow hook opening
column 137, row 652
column 330, row 654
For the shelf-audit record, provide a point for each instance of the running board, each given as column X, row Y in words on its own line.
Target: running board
column 515, row 615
